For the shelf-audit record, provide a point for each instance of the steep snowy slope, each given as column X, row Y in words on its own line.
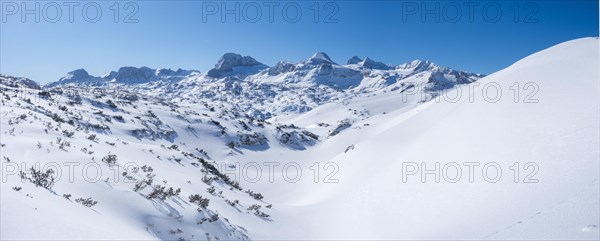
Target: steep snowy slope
column 551, row 131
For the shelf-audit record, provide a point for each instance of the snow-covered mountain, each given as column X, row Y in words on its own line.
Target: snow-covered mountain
column 263, row 92
column 369, row 63
column 125, row 75
column 147, row 154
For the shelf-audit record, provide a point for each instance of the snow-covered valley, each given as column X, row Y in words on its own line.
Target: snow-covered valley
column 309, row 150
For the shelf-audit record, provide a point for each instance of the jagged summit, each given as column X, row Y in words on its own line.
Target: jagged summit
column 178, row 72
column 369, row 63
column 320, row 58
column 78, row 73
column 134, row 75
column 124, row 75
column 229, row 61
column 419, row 65
column 281, row 67
column 354, row 60
column 79, row 76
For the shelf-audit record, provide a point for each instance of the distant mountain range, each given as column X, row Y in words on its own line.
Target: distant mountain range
column 264, row 91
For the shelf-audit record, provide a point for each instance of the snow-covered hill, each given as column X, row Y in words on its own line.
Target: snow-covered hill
column 309, row 150
column 18, row 82
column 551, row 129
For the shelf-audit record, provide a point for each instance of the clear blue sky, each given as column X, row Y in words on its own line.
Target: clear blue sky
column 186, row 34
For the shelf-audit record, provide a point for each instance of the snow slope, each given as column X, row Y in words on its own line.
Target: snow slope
column 559, row 133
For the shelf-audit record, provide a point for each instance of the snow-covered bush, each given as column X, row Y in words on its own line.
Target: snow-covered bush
column 197, row 199
column 88, row 202
column 110, row 160
column 251, row 139
column 254, row 195
column 162, row 193
column 92, row 137
column 39, row 178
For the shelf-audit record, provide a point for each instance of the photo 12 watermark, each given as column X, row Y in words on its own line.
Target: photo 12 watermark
column 130, row 172
column 489, row 92
column 469, row 11
column 469, row 172
column 290, row 172
column 69, row 11
column 269, row 11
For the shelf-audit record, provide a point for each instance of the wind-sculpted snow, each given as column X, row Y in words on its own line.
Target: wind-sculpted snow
column 406, row 173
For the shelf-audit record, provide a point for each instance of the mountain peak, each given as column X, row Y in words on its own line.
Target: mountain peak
column 372, row 64
column 369, row 63
column 77, row 76
column 354, row 60
column 130, row 74
column 178, row 72
column 320, row 58
column 231, row 60
column 419, row 65
column 125, row 75
column 79, row 73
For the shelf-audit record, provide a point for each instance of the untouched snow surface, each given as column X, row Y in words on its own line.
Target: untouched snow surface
column 560, row 134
